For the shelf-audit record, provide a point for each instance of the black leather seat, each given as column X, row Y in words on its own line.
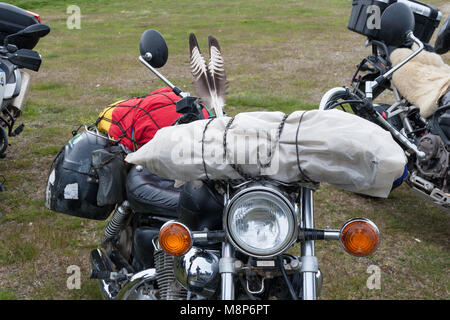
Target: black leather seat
column 150, row 194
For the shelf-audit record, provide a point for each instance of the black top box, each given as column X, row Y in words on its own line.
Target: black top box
column 14, row 19
column 427, row 18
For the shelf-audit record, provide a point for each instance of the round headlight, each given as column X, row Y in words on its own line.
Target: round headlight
column 261, row 222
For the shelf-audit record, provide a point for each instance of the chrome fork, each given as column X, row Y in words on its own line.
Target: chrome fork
column 226, row 269
column 310, row 266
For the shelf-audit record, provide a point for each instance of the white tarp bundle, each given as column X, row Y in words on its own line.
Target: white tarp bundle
column 330, row 146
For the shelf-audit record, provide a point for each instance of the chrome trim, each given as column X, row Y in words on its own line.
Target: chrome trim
column 329, row 94
column 332, row 234
column 359, row 219
column 226, row 269
column 184, row 226
column 406, row 60
column 148, row 57
column 307, row 248
column 96, row 133
column 198, row 271
column 259, row 188
column 408, row 144
column 130, row 290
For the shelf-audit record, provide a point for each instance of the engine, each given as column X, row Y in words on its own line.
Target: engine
column 434, row 166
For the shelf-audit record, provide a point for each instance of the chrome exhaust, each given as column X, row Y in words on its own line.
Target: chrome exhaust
column 111, row 290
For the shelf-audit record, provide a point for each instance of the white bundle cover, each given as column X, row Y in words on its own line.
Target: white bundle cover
column 329, row 146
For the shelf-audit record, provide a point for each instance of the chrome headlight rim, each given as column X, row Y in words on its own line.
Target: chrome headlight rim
column 291, row 214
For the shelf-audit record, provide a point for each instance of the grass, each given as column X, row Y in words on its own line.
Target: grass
column 279, row 55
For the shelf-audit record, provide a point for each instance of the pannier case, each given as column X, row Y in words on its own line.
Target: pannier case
column 427, row 18
column 14, row 19
column 72, row 185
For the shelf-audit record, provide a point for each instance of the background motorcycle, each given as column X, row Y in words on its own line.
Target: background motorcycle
column 186, row 243
column 20, row 31
column 425, row 141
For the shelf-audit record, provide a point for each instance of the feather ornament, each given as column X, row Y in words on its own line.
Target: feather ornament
column 209, row 79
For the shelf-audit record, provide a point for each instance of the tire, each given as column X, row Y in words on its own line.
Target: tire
column 334, row 96
column 3, row 142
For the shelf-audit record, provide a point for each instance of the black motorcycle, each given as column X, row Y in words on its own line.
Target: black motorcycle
column 424, row 139
column 223, row 240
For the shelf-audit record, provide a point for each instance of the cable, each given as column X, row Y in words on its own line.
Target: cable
column 286, row 279
column 344, row 102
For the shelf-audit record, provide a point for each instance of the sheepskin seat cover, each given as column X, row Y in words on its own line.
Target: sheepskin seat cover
column 423, row 80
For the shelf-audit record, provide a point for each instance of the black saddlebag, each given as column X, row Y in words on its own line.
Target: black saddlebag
column 87, row 178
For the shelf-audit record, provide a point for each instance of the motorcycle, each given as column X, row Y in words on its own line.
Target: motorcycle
column 20, row 31
column 425, row 139
column 166, row 242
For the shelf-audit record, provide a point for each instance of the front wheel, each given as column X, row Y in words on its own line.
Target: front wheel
column 338, row 98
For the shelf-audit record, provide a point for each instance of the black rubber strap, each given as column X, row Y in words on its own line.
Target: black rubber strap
column 298, row 153
column 203, row 147
column 273, row 146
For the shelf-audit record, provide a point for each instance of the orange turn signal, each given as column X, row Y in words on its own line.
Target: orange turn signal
column 175, row 238
column 359, row 237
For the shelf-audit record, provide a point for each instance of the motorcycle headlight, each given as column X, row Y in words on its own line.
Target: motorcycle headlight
column 261, row 222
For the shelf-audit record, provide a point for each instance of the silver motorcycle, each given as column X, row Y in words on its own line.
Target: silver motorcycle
column 20, row 32
column 426, row 141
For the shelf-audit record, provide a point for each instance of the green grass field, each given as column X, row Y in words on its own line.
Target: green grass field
column 279, row 55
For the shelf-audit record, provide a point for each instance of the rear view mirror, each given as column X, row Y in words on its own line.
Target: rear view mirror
column 153, row 43
column 397, row 21
column 442, row 44
column 35, row 30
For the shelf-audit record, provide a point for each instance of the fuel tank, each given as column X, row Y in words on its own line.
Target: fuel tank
column 201, row 208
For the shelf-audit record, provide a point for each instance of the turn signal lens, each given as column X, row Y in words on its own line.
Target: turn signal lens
column 359, row 237
column 175, row 238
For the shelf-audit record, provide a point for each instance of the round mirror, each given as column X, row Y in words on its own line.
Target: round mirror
column 153, row 42
column 397, row 21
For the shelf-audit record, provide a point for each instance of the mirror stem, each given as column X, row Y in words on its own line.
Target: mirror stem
column 175, row 89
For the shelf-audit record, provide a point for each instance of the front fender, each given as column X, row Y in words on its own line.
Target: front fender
column 330, row 94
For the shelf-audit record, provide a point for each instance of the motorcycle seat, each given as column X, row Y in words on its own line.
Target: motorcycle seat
column 150, row 194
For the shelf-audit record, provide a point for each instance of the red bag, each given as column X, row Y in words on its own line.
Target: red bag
column 134, row 122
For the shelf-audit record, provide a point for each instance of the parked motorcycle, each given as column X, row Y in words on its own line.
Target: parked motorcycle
column 424, row 138
column 20, row 31
column 165, row 242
